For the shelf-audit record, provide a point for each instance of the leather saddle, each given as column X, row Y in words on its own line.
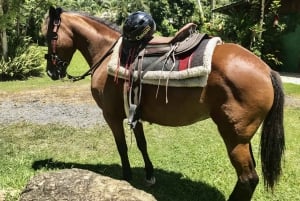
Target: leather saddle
column 184, row 40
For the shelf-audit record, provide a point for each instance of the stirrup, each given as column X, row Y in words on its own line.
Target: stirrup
column 134, row 115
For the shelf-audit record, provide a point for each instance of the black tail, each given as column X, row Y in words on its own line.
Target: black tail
column 272, row 139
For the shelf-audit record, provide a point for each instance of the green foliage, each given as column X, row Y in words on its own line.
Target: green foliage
column 23, row 18
column 271, row 50
column 21, row 22
column 172, row 15
column 25, row 64
column 168, row 15
column 241, row 27
column 89, row 6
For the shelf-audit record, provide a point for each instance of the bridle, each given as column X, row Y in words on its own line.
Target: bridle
column 53, row 57
column 61, row 64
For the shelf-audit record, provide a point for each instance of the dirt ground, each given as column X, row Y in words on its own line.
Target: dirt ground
column 75, row 95
column 66, row 94
column 73, row 106
column 69, row 105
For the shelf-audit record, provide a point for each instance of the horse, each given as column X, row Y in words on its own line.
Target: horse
column 242, row 93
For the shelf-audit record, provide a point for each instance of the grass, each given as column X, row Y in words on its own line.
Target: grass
column 191, row 163
column 192, row 159
column 292, row 90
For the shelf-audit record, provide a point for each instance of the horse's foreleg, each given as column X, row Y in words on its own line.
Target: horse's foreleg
column 142, row 145
column 119, row 135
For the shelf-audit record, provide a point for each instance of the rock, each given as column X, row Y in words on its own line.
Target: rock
column 77, row 184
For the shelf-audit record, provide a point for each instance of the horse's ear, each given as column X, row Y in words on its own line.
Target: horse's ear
column 51, row 11
column 58, row 11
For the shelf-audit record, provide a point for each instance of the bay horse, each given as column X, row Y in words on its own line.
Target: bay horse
column 242, row 93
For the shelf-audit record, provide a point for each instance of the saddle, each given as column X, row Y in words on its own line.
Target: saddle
column 180, row 35
column 185, row 40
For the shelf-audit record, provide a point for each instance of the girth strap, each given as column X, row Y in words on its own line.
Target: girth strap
column 135, row 90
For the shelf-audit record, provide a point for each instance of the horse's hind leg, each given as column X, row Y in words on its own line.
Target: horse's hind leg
column 142, row 145
column 241, row 157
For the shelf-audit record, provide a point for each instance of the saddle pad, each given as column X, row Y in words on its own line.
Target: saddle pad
column 164, row 75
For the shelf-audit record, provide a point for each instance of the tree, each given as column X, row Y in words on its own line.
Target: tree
column 124, row 7
column 256, row 31
column 3, row 36
column 19, row 21
column 171, row 15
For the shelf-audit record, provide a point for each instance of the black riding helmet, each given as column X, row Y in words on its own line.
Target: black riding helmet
column 138, row 26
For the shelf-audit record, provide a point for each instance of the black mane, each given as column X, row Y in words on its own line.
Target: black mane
column 99, row 20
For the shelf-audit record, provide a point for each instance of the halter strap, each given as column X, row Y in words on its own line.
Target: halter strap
column 53, row 57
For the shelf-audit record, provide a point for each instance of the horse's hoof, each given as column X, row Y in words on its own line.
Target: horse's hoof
column 151, row 181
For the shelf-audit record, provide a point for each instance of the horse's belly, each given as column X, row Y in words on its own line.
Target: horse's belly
column 175, row 107
column 180, row 120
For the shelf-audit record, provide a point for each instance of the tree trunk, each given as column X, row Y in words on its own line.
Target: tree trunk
column 212, row 4
column 3, row 36
column 4, row 43
column 261, row 21
column 201, row 12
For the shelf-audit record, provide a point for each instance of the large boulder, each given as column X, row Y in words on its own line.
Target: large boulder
column 78, row 184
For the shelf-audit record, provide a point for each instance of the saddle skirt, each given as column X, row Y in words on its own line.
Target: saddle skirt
column 186, row 69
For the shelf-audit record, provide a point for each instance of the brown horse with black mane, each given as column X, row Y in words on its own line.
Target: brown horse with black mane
column 241, row 93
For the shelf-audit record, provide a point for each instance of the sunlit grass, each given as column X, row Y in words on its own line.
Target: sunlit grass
column 292, row 89
column 192, row 159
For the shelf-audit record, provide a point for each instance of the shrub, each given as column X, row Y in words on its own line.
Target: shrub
column 22, row 66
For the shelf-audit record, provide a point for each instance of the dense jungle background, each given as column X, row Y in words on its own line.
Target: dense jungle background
column 254, row 25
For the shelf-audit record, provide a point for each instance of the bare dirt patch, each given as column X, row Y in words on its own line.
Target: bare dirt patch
column 71, row 105
column 66, row 94
column 67, row 105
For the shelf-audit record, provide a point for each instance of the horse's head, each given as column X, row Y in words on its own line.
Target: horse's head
column 60, row 45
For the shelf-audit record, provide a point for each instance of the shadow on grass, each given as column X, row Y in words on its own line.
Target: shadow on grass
column 170, row 186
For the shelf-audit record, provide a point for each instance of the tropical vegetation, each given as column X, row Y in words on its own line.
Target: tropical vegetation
column 20, row 23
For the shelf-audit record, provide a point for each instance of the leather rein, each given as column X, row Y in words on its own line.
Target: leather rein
column 60, row 64
column 94, row 67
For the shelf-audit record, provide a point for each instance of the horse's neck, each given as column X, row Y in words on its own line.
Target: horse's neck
column 90, row 41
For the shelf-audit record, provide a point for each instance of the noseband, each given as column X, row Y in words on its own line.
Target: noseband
column 53, row 57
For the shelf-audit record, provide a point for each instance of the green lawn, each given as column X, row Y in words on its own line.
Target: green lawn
column 192, row 159
column 292, row 90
